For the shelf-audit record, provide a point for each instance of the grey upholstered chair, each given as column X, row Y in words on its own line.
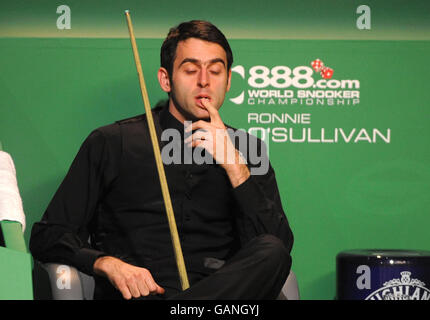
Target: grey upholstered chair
column 67, row 283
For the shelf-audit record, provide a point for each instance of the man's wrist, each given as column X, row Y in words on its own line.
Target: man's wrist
column 101, row 264
column 237, row 173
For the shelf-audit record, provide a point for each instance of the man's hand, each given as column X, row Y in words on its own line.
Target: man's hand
column 130, row 280
column 214, row 138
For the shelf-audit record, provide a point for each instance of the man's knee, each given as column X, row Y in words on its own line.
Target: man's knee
column 272, row 250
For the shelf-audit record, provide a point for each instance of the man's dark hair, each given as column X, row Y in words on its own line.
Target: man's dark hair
column 199, row 29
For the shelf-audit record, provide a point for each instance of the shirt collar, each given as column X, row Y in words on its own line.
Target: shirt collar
column 168, row 121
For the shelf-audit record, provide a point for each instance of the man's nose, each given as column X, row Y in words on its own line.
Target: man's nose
column 203, row 80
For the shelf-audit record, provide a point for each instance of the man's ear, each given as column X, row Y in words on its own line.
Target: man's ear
column 229, row 80
column 164, row 80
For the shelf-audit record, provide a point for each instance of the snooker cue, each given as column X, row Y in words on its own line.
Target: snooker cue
column 160, row 168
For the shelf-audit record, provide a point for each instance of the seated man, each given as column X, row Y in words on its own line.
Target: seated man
column 235, row 237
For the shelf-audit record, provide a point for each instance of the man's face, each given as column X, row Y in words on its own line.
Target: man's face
column 199, row 72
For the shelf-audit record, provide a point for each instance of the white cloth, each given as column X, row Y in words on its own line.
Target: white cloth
column 10, row 200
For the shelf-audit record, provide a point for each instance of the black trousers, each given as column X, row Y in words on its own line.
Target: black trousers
column 256, row 272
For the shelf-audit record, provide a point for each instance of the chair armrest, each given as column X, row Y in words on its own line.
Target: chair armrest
column 65, row 281
column 290, row 290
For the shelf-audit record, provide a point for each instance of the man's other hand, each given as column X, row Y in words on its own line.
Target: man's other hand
column 131, row 281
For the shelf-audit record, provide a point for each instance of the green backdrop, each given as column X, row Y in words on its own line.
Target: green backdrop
column 342, row 184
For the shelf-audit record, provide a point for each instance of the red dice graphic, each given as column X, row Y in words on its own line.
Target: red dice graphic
column 327, row 73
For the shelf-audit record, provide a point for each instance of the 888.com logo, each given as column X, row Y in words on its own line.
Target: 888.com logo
column 284, row 85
